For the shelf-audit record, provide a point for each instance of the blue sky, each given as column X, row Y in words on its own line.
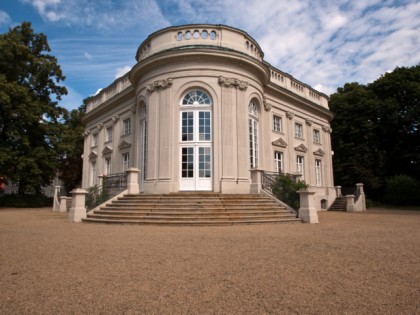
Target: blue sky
column 323, row 43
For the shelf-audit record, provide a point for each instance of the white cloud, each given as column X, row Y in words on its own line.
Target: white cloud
column 121, row 71
column 4, row 18
column 87, row 55
column 102, row 15
column 72, row 100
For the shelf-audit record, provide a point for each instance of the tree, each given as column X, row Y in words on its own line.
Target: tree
column 376, row 129
column 71, row 149
column 29, row 118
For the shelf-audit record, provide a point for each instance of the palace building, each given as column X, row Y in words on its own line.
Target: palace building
column 202, row 111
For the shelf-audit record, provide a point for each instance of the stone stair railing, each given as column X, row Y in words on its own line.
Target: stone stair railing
column 354, row 202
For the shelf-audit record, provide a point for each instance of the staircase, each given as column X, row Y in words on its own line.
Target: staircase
column 193, row 209
column 339, row 204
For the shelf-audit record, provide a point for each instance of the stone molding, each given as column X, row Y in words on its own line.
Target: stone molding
column 301, row 148
column 233, row 82
column 279, row 143
column 319, row 152
column 124, row 145
column 159, row 84
column 93, row 155
column 107, row 150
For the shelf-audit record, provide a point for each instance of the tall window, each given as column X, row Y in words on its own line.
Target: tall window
column 317, row 136
column 108, row 134
column 318, row 173
column 278, row 161
column 93, row 173
column 94, row 140
column 300, row 165
column 126, row 126
column 107, row 166
column 277, row 123
column 298, row 131
column 126, row 161
column 253, row 134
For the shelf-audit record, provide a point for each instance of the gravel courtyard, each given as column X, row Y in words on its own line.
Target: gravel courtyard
column 348, row 264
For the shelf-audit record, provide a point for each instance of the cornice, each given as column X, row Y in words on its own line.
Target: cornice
column 314, row 106
column 208, row 54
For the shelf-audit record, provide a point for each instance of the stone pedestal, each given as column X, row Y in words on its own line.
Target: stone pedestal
column 255, row 181
column 78, row 208
column 63, row 204
column 307, row 211
column 350, row 203
column 133, row 181
column 338, row 191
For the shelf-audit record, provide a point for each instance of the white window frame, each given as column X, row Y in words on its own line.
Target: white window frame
column 109, row 131
column 277, row 123
column 300, row 166
column 107, row 166
column 94, row 140
column 316, row 133
column 126, row 126
column 298, row 130
column 278, row 161
column 318, row 172
column 253, row 133
column 126, row 161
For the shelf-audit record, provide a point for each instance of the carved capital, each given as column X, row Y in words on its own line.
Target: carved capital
column 309, row 122
column 267, row 105
column 159, row 84
column 115, row 118
column 290, row 115
column 233, row 82
column 86, row 133
column 327, row 129
column 100, row 126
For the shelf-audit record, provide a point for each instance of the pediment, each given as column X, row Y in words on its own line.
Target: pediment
column 93, row 155
column 124, row 145
column 319, row 152
column 279, row 143
column 301, row 148
column 107, row 150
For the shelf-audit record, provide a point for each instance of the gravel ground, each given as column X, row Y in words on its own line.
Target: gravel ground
column 350, row 263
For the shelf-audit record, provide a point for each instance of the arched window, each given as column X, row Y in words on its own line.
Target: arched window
column 196, row 141
column 253, row 133
column 196, row 97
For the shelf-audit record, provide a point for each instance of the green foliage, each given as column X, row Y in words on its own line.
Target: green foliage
column 25, row 201
column 96, row 195
column 376, row 130
column 285, row 189
column 402, row 190
column 70, row 149
column 30, row 126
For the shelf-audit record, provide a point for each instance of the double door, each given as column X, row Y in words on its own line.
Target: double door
column 196, row 158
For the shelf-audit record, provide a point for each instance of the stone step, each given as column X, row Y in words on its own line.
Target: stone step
column 192, row 209
column 192, row 223
column 186, row 212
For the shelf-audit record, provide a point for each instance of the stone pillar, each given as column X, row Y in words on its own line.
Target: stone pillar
column 56, row 199
column 255, row 181
column 307, row 210
column 338, row 191
column 133, row 181
column 361, row 202
column 63, row 204
column 78, row 209
column 350, row 203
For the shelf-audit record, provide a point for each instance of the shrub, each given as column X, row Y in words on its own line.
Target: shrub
column 285, row 189
column 402, row 190
column 25, row 201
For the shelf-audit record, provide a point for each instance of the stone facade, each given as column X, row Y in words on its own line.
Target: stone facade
column 200, row 110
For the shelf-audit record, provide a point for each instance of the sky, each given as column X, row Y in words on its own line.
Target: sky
column 323, row 43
